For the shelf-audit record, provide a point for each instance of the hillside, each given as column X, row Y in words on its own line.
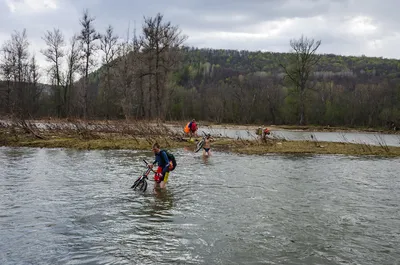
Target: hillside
column 349, row 90
column 247, row 62
column 247, row 87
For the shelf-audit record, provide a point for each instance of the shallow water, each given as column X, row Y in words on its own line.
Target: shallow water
column 75, row 207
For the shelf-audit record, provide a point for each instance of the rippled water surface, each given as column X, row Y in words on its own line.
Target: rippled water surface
column 75, row 207
column 379, row 139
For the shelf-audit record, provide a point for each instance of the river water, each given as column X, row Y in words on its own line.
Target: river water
column 75, row 207
column 380, row 139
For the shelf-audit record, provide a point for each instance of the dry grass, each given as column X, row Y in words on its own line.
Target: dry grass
column 312, row 147
column 102, row 143
column 87, row 135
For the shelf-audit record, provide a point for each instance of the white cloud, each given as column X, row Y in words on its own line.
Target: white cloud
column 31, row 6
column 362, row 25
column 271, row 28
column 213, row 18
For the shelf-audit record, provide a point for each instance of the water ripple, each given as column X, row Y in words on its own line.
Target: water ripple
column 75, row 207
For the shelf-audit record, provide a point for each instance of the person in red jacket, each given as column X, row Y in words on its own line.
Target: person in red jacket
column 265, row 133
column 193, row 128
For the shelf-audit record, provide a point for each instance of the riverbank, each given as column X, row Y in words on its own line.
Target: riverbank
column 141, row 136
column 64, row 123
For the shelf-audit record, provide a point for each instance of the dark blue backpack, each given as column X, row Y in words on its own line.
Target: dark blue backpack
column 171, row 157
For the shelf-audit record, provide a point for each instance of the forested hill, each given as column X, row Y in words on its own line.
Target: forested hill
column 248, row 61
column 248, row 87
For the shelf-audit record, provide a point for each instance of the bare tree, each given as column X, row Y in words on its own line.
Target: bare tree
column 88, row 38
column 19, row 50
column 34, row 89
column 125, row 75
column 20, row 46
column 7, row 67
column 160, row 42
column 34, row 75
column 72, row 67
column 299, row 67
column 140, row 74
column 109, row 46
column 54, row 53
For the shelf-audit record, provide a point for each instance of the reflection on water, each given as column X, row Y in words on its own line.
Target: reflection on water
column 205, row 159
column 75, row 207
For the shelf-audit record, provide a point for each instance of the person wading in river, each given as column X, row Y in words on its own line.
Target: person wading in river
column 207, row 145
column 166, row 163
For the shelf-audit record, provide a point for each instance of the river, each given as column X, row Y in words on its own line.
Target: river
column 380, row 139
column 60, row 206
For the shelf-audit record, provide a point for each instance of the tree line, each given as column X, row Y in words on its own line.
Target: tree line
column 133, row 81
column 153, row 75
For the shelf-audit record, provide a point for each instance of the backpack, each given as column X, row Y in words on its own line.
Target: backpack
column 171, row 157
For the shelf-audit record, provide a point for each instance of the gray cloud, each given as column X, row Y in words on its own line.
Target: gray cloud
column 346, row 27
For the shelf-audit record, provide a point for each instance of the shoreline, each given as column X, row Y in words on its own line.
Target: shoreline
column 82, row 140
column 212, row 125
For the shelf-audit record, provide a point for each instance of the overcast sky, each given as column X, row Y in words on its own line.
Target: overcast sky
column 347, row 27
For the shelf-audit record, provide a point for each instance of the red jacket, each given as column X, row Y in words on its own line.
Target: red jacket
column 193, row 126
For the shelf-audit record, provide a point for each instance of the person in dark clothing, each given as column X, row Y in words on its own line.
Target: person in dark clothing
column 164, row 166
